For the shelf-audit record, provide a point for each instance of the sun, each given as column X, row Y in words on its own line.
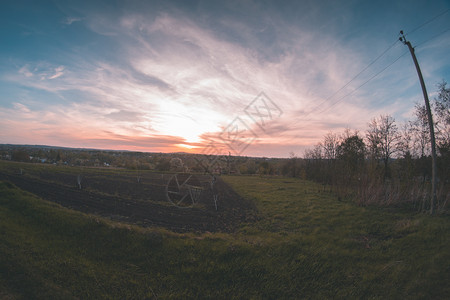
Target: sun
column 187, row 146
column 186, row 121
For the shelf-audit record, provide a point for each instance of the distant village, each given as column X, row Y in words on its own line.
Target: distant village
column 164, row 162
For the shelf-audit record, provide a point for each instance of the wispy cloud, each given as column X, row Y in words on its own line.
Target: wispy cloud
column 24, row 71
column 58, row 71
column 181, row 78
column 70, row 20
column 41, row 71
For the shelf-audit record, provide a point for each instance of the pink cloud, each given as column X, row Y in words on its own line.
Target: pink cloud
column 187, row 88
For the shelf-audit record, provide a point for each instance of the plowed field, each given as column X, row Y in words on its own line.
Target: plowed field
column 138, row 198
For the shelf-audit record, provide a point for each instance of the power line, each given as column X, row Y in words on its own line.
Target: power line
column 429, row 21
column 375, row 60
column 378, row 73
column 361, row 85
column 427, row 40
column 368, row 66
column 364, row 83
column 433, row 37
column 351, row 80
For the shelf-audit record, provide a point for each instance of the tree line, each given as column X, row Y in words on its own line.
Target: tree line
column 390, row 163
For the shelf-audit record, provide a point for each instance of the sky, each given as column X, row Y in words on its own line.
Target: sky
column 253, row 78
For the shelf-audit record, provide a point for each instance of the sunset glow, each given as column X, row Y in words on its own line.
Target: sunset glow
column 163, row 76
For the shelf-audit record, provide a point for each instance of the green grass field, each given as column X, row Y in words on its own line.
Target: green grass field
column 306, row 244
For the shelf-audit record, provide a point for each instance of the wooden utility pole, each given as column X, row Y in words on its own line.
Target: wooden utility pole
column 430, row 123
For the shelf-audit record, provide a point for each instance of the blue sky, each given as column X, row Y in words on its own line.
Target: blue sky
column 181, row 75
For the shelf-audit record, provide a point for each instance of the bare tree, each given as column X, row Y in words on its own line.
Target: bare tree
column 383, row 138
column 317, row 152
column 313, row 159
column 330, row 147
column 405, row 171
column 442, row 117
column 352, row 151
column 373, row 138
column 421, row 133
column 292, row 166
column 330, row 144
column 405, row 144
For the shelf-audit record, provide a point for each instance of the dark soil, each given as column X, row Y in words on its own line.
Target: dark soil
column 140, row 199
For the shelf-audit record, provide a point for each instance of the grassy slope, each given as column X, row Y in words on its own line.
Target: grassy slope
column 306, row 245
